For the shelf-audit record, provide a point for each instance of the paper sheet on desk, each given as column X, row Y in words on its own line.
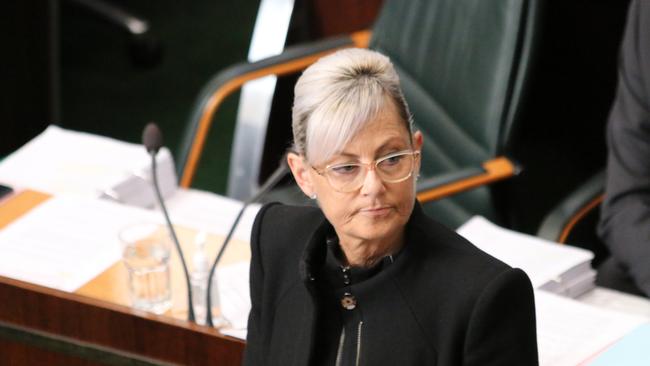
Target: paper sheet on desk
column 66, row 241
column 210, row 212
column 234, row 293
column 570, row 332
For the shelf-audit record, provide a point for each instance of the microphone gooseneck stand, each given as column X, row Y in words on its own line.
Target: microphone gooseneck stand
column 274, row 179
column 190, row 305
column 152, row 138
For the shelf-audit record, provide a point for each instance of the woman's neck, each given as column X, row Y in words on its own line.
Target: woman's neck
column 359, row 252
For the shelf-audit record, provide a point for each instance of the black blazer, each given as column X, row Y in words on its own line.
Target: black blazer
column 625, row 213
column 442, row 302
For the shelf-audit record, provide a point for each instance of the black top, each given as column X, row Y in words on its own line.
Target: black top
column 441, row 301
column 337, row 326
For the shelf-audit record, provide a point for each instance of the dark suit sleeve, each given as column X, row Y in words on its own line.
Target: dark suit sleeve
column 502, row 329
column 254, row 352
column 625, row 214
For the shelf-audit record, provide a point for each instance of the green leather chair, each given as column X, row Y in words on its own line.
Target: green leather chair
column 574, row 219
column 463, row 65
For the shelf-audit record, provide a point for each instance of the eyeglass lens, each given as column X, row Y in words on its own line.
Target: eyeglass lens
column 391, row 169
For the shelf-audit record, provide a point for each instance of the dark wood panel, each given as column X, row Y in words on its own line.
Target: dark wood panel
column 103, row 327
column 15, row 353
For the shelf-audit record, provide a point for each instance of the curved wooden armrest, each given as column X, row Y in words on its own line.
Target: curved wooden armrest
column 446, row 185
column 292, row 60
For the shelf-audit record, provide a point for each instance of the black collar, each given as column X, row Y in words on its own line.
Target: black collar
column 315, row 253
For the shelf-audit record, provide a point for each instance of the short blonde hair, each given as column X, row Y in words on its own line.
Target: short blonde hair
column 337, row 96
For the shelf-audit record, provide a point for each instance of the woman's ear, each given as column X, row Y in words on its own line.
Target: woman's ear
column 418, row 140
column 300, row 170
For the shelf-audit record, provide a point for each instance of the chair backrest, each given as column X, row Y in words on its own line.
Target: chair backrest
column 463, row 66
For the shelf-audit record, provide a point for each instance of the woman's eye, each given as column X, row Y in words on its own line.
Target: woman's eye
column 393, row 160
column 344, row 169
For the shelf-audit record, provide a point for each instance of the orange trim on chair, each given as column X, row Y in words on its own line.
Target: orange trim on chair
column 495, row 170
column 566, row 231
column 359, row 39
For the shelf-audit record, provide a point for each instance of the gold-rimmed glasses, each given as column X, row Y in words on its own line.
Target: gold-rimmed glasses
column 392, row 168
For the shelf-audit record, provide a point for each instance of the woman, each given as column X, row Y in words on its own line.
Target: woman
column 367, row 278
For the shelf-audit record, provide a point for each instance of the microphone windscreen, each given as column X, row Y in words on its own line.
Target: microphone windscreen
column 152, row 137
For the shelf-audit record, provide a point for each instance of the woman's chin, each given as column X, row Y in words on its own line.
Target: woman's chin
column 375, row 227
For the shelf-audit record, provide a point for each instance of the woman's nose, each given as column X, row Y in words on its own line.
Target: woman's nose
column 372, row 184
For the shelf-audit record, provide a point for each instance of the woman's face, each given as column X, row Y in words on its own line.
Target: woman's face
column 377, row 209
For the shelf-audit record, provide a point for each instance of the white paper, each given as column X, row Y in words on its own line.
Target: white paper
column 66, row 241
column 542, row 260
column 236, row 333
column 234, row 294
column 614, row 300
column 570, row 332
column 210, row 212
column 60, row 161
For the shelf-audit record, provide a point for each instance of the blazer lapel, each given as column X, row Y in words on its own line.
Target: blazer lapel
column 311, row 261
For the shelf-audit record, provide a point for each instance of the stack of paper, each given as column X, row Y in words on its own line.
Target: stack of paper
column 60, row 161
column 560, row 269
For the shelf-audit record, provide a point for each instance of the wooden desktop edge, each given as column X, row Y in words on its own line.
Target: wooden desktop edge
column 103, row 323
column 123, row 329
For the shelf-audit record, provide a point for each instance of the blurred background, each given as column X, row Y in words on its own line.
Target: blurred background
column 66, row 63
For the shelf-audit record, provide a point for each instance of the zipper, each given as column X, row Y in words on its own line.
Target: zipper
column 359, row 343
column 339, row 352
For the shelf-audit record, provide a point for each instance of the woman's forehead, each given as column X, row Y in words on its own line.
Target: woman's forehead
column 355, row 130
column 383, row 138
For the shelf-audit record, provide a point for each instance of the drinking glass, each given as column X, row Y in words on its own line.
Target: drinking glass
column 146, row 249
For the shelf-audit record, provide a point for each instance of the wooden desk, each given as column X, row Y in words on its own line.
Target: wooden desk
column 96, row 325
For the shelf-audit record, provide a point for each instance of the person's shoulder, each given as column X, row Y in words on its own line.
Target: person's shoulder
column 446, row 244
column 282, row 230
column 281, row 208
column 278, row 215
column 452, row 266
column 458, row 272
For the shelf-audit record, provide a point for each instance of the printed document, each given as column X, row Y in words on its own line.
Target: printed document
column 66, row 241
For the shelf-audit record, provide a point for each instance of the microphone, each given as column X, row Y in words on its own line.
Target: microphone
column 153, row 141
column 271, row 182
column 152, row 138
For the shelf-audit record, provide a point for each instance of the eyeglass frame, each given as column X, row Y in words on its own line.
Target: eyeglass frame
column 368, row 166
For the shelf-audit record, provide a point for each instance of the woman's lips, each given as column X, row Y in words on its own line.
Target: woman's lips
column 375, row 211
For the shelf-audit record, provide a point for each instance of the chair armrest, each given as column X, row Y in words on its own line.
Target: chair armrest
column 459, row 181
column 224, row 83
column 559, row 223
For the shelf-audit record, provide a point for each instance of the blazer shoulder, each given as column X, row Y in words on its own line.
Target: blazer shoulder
column 282, row 230
column 276, row 216
column 445, row 243
column 504, row 314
